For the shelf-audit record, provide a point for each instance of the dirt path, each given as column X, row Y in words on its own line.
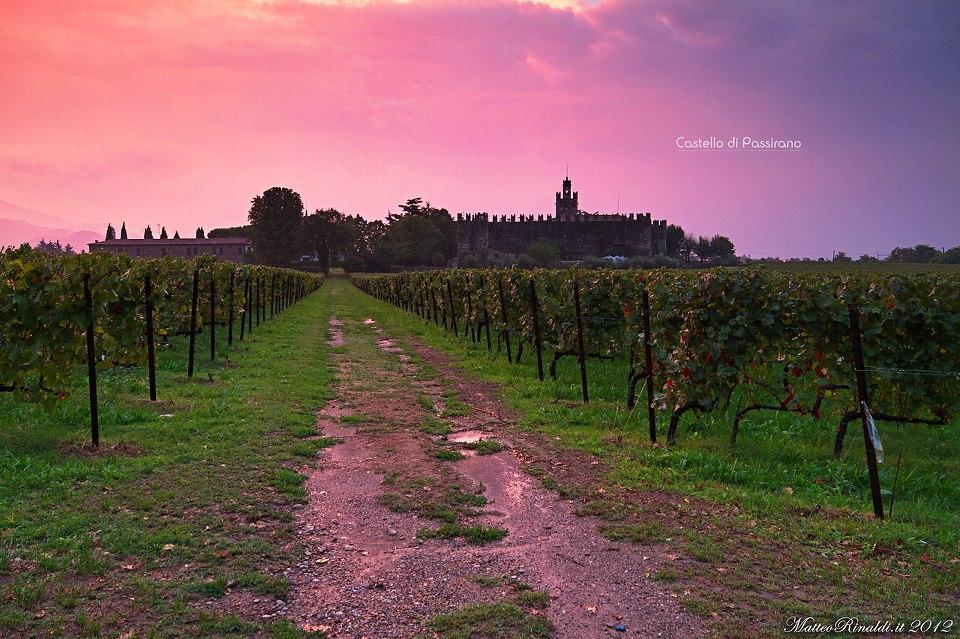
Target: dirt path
column 370, row 569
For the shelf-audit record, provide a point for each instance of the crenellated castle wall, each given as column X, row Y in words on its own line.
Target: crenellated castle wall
column 577, row 235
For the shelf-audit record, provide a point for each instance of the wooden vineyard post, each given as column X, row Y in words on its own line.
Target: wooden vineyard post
column 503, row 318
column 424, row 299
column 91, row 364
column 443, row 309
column 648, row 362
column 433, row 302
column 273, row 295
column 213, row 315
column 233, row 277
column 486, row 319
column 243, row 311
column 863, row 399
column 581, row 353
column 453, row 313
column 151, row 354
column 536, row 327
column 249, row 303
column 466, row 323
column 193, row 320
column 259, row 289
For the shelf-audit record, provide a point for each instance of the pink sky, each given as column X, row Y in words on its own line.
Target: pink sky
column 178, row 112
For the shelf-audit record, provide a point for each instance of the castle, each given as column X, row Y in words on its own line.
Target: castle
column 576, row 233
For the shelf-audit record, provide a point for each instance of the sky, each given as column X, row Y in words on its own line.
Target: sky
column 178, row 112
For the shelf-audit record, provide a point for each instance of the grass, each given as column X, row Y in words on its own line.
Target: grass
column 433, row 426
column 477, row 535
column 794, row 507
column 197, row 499
column 452, row 406
column 491, row 621
column 485, row 446
column 448, row 454
column 429, row 498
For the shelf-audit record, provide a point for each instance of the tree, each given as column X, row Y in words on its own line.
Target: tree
column 123, row 231
column 230, row 231
column 111, row 233
column 919, row 254
column 274, row 223
column 950, row 256
column 842, row 257
column 686, row 248
column 329, row 234
column 412, row 240
column 675, row 239
column 200, row 233
column 703, row 249
column 163, row 233
column 54, row 248
column 176, row 235
column 722, row 248
column 440, row 218
column 544, row 253
column 148, row 233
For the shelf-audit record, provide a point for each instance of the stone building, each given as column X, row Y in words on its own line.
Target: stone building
column 576, row 233
column 229, row 249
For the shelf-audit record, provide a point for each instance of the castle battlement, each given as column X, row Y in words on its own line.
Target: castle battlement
column 580, row 216
column 576, row 232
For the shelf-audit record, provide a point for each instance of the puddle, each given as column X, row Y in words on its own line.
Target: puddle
column 466, row 436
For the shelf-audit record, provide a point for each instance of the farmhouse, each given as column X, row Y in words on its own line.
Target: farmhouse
column 230, row 249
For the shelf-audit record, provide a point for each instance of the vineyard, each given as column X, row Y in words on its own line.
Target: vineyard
column 840, row 346
column 102, row 311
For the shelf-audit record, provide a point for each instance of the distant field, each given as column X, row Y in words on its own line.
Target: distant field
column 859, row 267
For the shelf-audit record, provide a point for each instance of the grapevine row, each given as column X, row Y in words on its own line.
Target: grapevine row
column 783, row 339
column 47, row 314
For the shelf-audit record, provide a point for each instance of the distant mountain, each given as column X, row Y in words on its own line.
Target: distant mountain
column 19, row 224
column 14, row 212
column 16, row 232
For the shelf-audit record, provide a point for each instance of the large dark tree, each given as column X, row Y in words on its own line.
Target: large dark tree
column 413, row 240
column 675, row 240
column 148, row 233
column 163, row 233
column 721, row 247
column 440, row 218
column 111, row 234
column 274, row 225
column 123, row 231
column 330, row 235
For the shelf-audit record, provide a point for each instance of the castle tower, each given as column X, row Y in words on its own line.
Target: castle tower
column 567, row 206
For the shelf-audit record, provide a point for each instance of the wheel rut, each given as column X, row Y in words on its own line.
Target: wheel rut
column 365, row 571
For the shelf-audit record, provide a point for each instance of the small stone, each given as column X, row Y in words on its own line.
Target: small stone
column 392, row 532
